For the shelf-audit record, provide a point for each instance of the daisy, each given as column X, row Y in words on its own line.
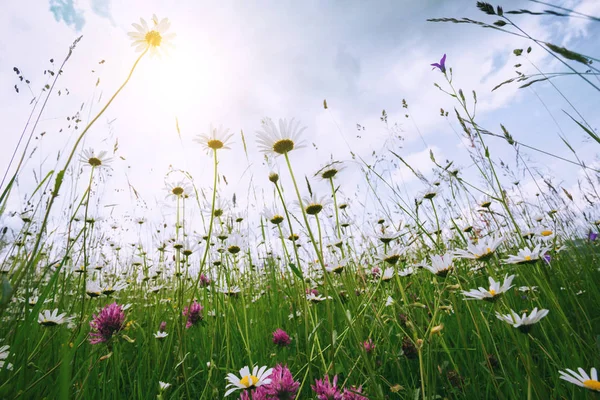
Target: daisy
column 393, row 255
column 314, row 298
column 280, row 141
column 481, row 251
column 93, row 289
column 4, row 353
column 440, row 265
column 330, row 170
column 495, row 289
column 525, row 322
column 545, row 233
column 235, row 244
column 406, row 272
column 582, row 378
column 163, row 386
column 526, row 255
column 178, row 190
column 231, row 291
column 431, row 192
column 110, row 289
column 389, row 301
column 257, row 378
column 90, row 159
column 313, row 205
column 48, row 318
column 152, row 38
column 216, row 139
column 160, row 335
column 388, row 274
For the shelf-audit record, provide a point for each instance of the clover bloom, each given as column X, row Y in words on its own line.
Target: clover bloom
column 193, row 314
column 281, row 338
column 109, row 321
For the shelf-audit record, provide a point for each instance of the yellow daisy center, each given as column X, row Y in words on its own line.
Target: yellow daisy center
column 591, row 384
column 492, row 292
column 153, row 38
column 177, row 190
column 547, row 232
column 249, row 380
column 313, row 209
column 95, row 161
column 330, row 173
column 283, row 146
column 215, row 144
column 277, row 219
column 527, row 258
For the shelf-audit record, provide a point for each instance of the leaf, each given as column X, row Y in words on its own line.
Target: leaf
column 500, row 23
column 517, row 52
column 587, row 130
column 568, row 54
column 296, row 271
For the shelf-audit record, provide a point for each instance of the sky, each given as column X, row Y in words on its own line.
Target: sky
column 235, row 63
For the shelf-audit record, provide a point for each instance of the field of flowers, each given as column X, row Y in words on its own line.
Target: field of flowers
column 467, row 290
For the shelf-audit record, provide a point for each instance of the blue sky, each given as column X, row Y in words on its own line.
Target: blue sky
column 236, row 63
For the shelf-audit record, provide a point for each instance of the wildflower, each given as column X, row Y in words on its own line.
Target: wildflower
column 440, row 265
column 525, row 322
column 48, row 318
column 386, row 238
column 545, row 233
column 280, row 141
column 4, row 353
column 494, row 291
column 390, row 301
column 369, row 346
column 481, row 251
column 406, row 271
column 354, row 393
column 313, row 205
column 281, row 338
column 179, row 190
column 393, row 255
column 441, row 65
column 582, row 378
column 336, row 268
column 93, row 289
column 151, row 38
column 282, row 386
column 431, row 192
column 326, row 390
column 388, row 274
column 315, row 298
column 204, row 280
column 273, row 216
column 232, row 291
column 193, row 314
column 527, row 255
column 91, row 159
column 160, row 335
column 110, row 289
column 592, row 236
column 330, row 170
column 216, row 139
column 109, row 321
column 257, row 378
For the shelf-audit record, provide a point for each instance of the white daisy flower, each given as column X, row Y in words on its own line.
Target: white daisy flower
column 93, row 289
column 280, row 141
column 110, row 289
column 388, row 274
column 315, row 298
column 95, row 160
column 440, row 265
column 152, row 37
column 4, row 353
column 495, row 289
column 582, row 378
column 525, row 322
column 389, row 301
column 163, row 386
column 216, row 139
column 179, row 189
column 393, row 255
column 527, row 288
column 527, row 255
column 314, row 204
column 256, row 378
column 431, row 192
column 160, row 335
column 52, row 318
column 481, row 251
column 330, row 170
column 406, row 272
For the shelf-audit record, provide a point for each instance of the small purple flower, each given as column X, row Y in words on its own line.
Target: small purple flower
column 109, row 321
column 204, row 280
column 282, row 386
column 441, row 65
column 592, row 236
column 354, row 394
column 163, row 326
column 325, row 390
column 376, row 272
column 281, row 338
column 193, row 314
column 369, row 346
column 313, row 291
column 547, row 258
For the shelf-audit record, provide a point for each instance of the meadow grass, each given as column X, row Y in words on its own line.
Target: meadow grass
column 356, row 303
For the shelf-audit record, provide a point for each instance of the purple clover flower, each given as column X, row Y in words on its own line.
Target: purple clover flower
column 369, row 346
column 163, row 326
column 441, row 65
column 109, row 321
column 193, row 314
column 325, row 390
column 281, row 338
column 354, row 394
column 592, row 236
column 204, row 280
column 282, row 386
